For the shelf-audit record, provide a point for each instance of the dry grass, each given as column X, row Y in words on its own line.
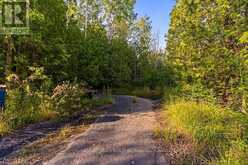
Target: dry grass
column 4, row 128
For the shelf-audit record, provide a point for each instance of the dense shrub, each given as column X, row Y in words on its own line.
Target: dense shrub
column 69, row 98
column 26, row 103
column 207, row 45
column 195, row 92
column 24, row 108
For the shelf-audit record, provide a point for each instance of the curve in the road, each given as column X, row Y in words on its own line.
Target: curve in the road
column 123, row 136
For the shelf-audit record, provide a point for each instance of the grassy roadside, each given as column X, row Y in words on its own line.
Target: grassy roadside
column 66, row 128
column 26, row 107
column 144, row 92
column 11, row 121
column 201, row 133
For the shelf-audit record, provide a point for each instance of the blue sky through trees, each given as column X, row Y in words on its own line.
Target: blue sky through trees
column 159, row 13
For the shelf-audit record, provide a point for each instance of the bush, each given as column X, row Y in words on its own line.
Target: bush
column 26, row 103
column 196, row 92
column 217, row 134
column 24, row 108
column 69, row 98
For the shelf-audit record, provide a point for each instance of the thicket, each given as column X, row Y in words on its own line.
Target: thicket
column 25, row 104
column 207, row 44
column 205, row 118
column 100, row 44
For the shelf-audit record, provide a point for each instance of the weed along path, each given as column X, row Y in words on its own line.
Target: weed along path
column 123, row 136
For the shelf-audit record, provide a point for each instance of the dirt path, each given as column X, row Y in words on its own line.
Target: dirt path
column 123, row 136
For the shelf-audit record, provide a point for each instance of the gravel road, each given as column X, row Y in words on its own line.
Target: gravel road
column 123, row 136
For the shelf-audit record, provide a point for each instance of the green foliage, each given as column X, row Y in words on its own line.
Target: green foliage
column 207, row 44
column 195, row 92
column 69, row 98
column 139, row 91
column 97, row 42
column 26, row 103
column 147, row 92
column 218, row 135
column 100, row 43
column 108, row 100
column 24, row 108
column 235, row 155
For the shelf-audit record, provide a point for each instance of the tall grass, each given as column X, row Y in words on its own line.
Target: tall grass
column 216, row 135
column 25, row 107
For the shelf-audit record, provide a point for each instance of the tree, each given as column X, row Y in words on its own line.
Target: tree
column 203, row 44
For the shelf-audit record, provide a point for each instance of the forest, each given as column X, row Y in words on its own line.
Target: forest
column 77, row 46
column 96, row 44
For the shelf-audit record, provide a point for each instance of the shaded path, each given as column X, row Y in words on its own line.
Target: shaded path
column 121, row 137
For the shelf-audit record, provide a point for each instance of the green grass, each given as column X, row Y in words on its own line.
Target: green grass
column 215, row 135
column 144, row 92
column 102, row 101
column 4, row 127
column 12, row 120
column 24, row 109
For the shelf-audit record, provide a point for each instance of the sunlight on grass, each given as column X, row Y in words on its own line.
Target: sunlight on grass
column 4, row 128
column 218, row 135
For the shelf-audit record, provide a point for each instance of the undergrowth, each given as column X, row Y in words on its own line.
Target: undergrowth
column 25, row 106
column 210, row 134
column 145, row 92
